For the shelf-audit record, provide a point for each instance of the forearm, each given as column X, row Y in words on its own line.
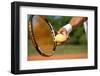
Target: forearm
column 76, row 21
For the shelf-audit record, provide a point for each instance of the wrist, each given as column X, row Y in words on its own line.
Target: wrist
column 68, row 28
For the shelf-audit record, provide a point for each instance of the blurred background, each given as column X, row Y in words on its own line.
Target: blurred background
column 77, row 42
column 78, row 36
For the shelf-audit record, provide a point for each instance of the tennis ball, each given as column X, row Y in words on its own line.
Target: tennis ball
column 59, row 38
column 58, row 43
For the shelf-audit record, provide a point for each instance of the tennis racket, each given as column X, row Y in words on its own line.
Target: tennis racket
column 42, row 35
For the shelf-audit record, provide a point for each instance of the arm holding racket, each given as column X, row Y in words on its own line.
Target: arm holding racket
column 66, row 30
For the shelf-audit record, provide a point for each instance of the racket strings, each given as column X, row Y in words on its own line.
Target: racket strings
column 42, row 35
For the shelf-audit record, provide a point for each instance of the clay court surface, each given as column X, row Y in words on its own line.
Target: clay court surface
column 62, row 52
column 65, row 56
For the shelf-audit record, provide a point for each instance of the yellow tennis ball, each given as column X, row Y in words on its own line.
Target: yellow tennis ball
column 59, row 38
column 58, row 43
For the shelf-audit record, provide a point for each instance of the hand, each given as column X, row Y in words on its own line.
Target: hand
column 63, row 31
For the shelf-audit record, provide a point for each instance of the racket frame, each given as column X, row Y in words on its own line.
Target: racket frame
column 31, row 33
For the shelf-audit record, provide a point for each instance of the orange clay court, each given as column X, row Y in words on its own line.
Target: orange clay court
column 65, row 56
column 62, row 52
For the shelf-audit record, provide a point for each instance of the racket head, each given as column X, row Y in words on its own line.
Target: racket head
column 42, row 35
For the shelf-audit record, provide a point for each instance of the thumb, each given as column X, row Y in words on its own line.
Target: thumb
column 60, row 30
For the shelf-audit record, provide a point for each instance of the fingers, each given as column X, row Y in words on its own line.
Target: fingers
column 63, row 31
column 60, row 31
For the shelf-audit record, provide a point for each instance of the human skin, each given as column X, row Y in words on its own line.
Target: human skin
column 74, row 22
